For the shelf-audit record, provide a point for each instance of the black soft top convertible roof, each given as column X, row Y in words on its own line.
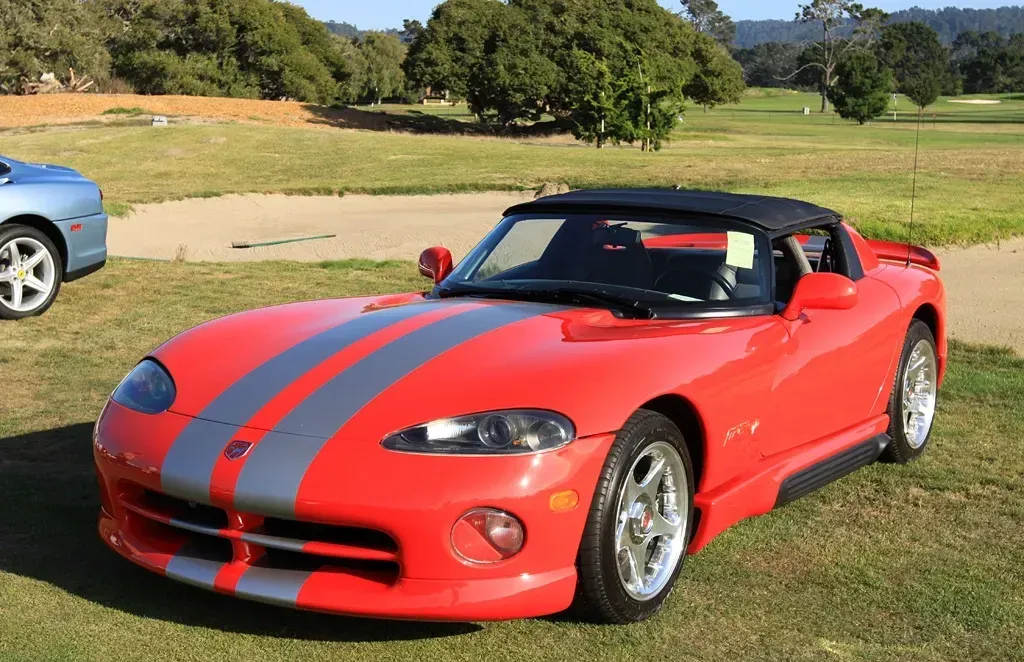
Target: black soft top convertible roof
column 768, row 213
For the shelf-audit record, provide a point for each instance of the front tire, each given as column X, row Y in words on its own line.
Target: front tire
column 914, row 395
column 30, row 272
column 634, row 542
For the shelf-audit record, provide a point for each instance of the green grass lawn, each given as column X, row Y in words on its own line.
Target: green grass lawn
column 922, row 562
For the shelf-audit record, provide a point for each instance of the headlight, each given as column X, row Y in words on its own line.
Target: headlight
column 492, row 433
column 147, row 389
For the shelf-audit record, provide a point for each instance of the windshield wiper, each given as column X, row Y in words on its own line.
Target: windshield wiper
column 554, row 294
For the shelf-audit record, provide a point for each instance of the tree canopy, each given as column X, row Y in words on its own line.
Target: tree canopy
column 237, row 48
column 41, row 36
column 918, row 61
column 597, row 64
column 862, row 88
column 707, row 18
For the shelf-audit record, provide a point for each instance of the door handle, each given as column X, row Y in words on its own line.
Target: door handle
column 5, row 180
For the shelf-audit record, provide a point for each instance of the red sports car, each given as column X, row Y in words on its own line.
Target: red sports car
column 607, row 382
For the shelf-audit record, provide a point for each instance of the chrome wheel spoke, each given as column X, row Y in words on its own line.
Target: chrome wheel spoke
column 14, row 254
column 31, row 261
column 652, row 479
column 664, row 526
column 636, row 578
column 36, row 284
column 630, row 490
column 8, row 275
column 16, row 292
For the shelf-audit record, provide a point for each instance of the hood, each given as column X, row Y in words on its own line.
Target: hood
column 368, row 367
column 25, row 172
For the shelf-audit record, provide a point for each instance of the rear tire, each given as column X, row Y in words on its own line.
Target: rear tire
column 642, row 511
column 912, row 402
column 31, row 272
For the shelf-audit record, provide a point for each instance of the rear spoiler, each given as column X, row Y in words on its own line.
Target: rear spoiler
column 897, row 252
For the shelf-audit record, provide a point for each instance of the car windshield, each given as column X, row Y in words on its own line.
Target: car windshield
column 645, row 265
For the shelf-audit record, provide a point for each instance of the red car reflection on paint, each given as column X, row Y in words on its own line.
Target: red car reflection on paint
column 606, row 383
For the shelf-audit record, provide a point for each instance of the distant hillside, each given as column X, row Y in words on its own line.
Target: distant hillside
column 344, row 29
column 948, row 22
column 352, row 32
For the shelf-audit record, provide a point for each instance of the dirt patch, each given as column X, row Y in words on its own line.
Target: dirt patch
column 64, row 108
column 984, row 283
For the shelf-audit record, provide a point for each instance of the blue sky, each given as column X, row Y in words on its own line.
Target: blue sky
column 378, row 14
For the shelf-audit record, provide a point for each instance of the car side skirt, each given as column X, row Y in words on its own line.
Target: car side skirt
column 758, row 491
column 84, row 271
column 841, row 464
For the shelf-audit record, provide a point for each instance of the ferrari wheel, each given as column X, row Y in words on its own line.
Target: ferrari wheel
column 30, row 272
column 634, row 542
column 912, row 403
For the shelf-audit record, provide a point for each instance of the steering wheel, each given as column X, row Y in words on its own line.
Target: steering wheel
column 720, row 280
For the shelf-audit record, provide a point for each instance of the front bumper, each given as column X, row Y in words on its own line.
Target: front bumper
column 406, row 505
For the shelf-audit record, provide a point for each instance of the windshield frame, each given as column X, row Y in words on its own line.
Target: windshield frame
column 661, row 308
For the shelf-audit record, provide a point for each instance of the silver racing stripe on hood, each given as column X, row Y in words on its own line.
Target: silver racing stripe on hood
column 269, row 481
column 188, row 466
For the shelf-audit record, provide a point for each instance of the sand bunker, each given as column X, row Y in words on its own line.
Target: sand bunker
column 379, row 228
column 976, row 102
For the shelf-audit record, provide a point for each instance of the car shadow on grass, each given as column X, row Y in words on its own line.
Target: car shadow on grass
column 414, row 121
column 48, row 533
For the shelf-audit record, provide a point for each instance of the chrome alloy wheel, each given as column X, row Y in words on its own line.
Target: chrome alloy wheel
column 651, row 527
column 919, row 391
column 27, row 274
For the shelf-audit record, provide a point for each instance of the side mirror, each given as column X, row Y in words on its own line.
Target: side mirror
column 821, row 291
column 436, row 263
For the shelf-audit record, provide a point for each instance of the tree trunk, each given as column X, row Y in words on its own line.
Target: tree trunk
column 827, row 55
column 824, row 90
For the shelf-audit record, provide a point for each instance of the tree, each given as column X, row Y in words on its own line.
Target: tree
column 49, row 36
column 451, row 46
column 576, row 60
column 645, row 112
column 917, row 59
column 832, row 17
column 988, row 62
column 766, row 65
column 862, row 87
column 718, row 79
column 591, row 85
column 411, row 29
column 246, row 48
column 707, row 18
column 381, row 74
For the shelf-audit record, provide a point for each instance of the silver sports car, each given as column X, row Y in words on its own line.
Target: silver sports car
column 52, row 230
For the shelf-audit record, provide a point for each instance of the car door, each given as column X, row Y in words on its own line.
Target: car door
column 832, row 368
